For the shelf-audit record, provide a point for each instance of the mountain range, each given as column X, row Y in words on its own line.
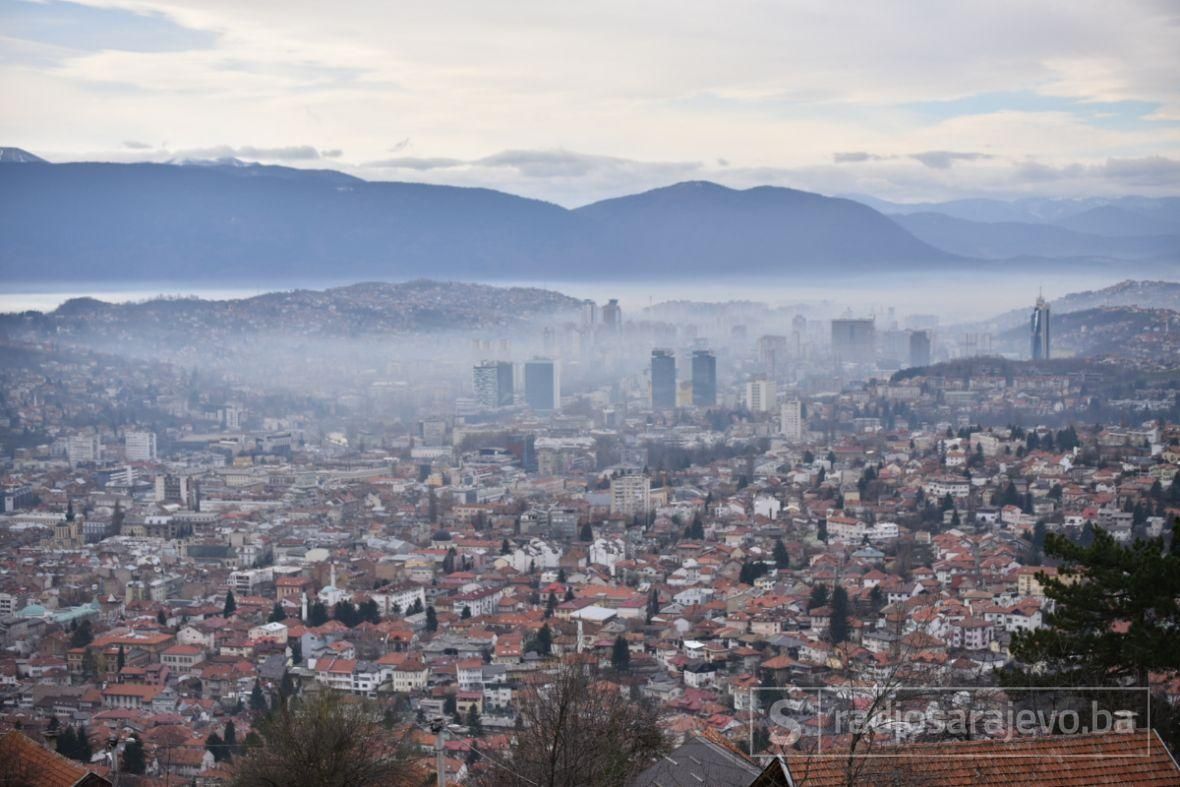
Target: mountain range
column 229, row 220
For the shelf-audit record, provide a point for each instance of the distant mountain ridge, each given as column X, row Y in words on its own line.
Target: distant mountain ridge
column 230, row 220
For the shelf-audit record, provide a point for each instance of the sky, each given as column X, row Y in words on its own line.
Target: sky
column 578, row 101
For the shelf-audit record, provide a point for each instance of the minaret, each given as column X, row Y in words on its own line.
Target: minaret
column 579, row 635
column 304, row 605
column 333, row 582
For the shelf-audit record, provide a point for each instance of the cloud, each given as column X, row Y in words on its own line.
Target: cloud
column 417, row 163
column 945, row 159
column 291, row 153
column 856, row 156
column 1146, row 171
column 132, row 144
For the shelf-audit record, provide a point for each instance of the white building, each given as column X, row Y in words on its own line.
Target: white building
column 84, row 449
column 630, row 495
column 139, row 446
column 607, row 552
column 792, row 420
column 760, row 396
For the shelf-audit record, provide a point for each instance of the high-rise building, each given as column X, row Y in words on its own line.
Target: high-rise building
column 84, row 449
column 542, row 384
column 589, row 313
column 612, row 315
column 493, row 384
column 1039, row 330
column 792, row 420
column 630, row 495
column 854, row 340
column 772, row 353
column 704, row 378
column 920, row 348
column 760, row 396
column 139, row 446
column 663, row 380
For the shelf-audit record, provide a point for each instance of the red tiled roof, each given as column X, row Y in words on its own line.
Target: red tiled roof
column 28, row 763
column 1136, row 759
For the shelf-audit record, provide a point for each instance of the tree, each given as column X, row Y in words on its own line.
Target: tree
column 818, row 598
column 466, row 613
column 587, row 533
column 1098, row 586
column 474, row 723
column 277, row 614
column 369, row 611
column 84, row 751
column 415, row 608
column 257, row 698
column 782, row 558
column 82, row 636
column 550, row 604
column 215, row 746
column 296, row 646
column 448, row 565
column 431, row 619
column 67, row 743
column 89, row 664
column 120, row 659
column 161, row 620
column 317, row 614
column 561, row 576
column 345, row 612
column 838, row 625
column 543, row 642
column 576, row 731
column 231, row 605
column 620, row 657
column 569, row 593
column 653, row 604
column 134, row 760
column 231, row 737
column 326, row 740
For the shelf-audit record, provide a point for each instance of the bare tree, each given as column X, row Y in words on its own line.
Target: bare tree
column 579, row 730
column 326, row 741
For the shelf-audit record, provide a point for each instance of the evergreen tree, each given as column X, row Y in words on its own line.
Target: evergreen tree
column 317, row 614
column 85, row 753
column 1097, row 585
column 296, row 646
column 416, row 608
column 505, row 549
column 134, row 760
column 231, row 605
column 215, row 746
column 448, row 565
column 431, row 619
column 231, row 737
column 620, row 657
column 569, row 594
column 838, row 626
column 82, row 636
column 345, row 612
column 587, row 533
column 653, row 604
column 89, row 665
column 277, row 614
column 821, row 531
column 466, row 614
column 257, row 698
column 369, row 611
column 120, row 659
column 160, row 620
column 782, row 558
column 67, row 743
column 561, row 575
column 818, row 598
column 474, row 723
column 550, row 604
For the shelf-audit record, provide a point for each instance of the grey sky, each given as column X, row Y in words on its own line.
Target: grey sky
column 577, row 101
